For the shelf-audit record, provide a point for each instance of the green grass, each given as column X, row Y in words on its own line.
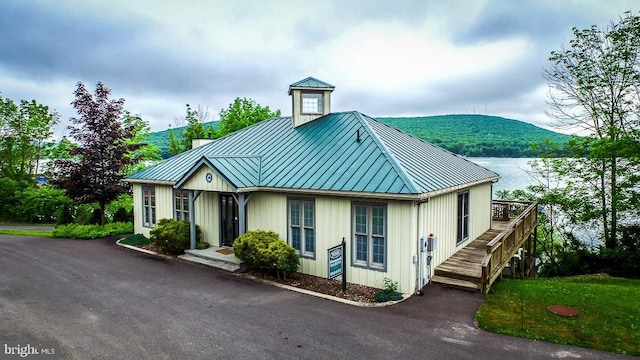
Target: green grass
column 609, row 311
column 43, row 233
column 135, row 240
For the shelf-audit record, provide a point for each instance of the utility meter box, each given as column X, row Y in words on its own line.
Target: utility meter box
column 432, row 242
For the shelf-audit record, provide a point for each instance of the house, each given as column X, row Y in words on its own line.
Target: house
column 318, row 177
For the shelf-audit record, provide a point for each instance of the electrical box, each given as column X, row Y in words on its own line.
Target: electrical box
column 432, row 243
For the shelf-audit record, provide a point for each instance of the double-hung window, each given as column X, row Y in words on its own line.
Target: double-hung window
column 463, row 217
column 312, row 103
column 302, row 230
column 181, row 204
column 149, row 206
column 369, row 242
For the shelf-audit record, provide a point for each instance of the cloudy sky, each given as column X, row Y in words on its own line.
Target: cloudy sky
column 386, row 58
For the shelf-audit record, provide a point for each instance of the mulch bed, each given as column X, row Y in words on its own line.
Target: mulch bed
column 359, row 293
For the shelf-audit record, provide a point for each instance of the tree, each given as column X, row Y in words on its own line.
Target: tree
column 195, row 129
column 94, row 173
column 140, row 131
column 241, row 113
column 24, row 131
column 594, row 86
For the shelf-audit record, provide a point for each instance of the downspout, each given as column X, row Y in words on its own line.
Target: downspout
column 192, row 221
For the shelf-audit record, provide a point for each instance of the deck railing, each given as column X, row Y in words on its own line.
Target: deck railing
column 523, row 217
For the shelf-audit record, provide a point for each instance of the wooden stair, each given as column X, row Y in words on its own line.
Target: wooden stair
column 463, row 269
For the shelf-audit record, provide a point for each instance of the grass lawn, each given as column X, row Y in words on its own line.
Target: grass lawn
column 27, row 232
column 608, row 319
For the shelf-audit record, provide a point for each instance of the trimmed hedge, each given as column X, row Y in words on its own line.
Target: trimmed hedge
column 265, row 251
column 77, row 231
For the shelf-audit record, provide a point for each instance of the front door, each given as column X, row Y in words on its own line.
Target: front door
column 230, row 226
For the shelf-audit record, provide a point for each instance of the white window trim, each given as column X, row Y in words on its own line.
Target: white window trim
column 302, row 251
column 369, row 264
column 148, row 211
column 318, row 96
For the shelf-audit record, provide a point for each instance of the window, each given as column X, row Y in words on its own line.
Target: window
column 369, row 243
column 302, row 232
column 463, row 217
column 181, row 204
column 149, row 206
column 311, row 103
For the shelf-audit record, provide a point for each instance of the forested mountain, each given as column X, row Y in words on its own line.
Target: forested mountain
column 477, row 135
column 468, row 135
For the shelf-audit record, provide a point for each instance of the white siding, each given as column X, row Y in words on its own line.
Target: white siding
column 164, row 205
column 439, row 217
column 268, row 211
column 198, row 182
column 207, row 215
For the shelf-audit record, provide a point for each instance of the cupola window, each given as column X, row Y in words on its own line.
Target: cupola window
column 311, row 103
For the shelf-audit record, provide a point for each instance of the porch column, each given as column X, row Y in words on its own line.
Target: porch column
column 192, row 221
column 242, row 200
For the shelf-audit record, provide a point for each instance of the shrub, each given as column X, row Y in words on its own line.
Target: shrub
column 78, row 231
column 121, row 215
column 40, row 204
column 390, row 292
column 172, row 236
column 265, row 251
column 201, row 245
column 136, row 239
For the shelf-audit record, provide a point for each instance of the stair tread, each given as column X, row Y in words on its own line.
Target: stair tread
column 219, row 264
column 456, row 282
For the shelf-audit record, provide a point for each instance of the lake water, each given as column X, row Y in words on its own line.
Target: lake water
column 513, row 171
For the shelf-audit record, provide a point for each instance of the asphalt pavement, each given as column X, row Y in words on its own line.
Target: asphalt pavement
column 102, row 301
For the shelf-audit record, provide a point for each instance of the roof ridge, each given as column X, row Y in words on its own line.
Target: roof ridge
column 387, row 153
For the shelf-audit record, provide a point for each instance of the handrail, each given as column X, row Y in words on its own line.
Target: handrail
column 514, row 235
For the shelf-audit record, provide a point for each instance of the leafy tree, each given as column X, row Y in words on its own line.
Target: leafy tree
column 146, row 151
column 24, row 130
column 94, row 173
column 594, row 87
column 195, row 130
column 241, row 113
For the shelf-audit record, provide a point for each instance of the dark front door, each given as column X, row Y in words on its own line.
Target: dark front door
column 229, row 224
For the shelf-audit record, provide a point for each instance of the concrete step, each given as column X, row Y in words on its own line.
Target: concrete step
column 457, row 283
column 210, row 257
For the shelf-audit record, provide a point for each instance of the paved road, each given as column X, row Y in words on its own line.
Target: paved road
column 102, row 301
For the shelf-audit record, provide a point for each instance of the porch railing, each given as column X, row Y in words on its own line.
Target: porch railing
column 523, row 219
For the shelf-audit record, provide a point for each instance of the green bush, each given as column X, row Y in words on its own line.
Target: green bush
column 9, row 193
column 201, row 245
column 390, row 292
column 78, row 231
column 172, row 236
column 265, row 251
column 135, row 239
column 122, row 215
column 40, row 204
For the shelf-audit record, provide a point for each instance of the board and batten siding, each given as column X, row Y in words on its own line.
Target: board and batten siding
column 439, row 217
column 207, row 214
column 333, row 221
column 164, row 205
column 198, row 181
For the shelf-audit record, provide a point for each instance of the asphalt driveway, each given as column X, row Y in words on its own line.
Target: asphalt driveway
column 98, row 300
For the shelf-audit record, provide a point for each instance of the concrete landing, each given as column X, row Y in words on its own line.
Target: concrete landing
column 213, row 258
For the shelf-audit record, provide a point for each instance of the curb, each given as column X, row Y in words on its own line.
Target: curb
column 277, row 284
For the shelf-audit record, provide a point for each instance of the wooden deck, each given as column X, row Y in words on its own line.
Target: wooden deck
column 477, row 265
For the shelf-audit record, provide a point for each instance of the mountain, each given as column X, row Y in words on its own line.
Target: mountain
column 477, row 135
column 468, row 135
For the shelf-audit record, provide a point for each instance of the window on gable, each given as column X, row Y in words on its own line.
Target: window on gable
column 302, row 232
column 149, row 206
column 463, row 217
column 311, row 103
column 369, row 242
column 181, row 204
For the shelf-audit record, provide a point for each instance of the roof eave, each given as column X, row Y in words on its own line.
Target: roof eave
column 451, row 189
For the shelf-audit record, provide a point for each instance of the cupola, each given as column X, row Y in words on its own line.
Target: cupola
column 311, row 99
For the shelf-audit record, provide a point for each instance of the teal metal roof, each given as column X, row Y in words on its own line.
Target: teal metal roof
column 345, row 151
column 311, row 82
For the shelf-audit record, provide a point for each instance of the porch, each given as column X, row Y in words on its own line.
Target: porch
column 479, row 264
